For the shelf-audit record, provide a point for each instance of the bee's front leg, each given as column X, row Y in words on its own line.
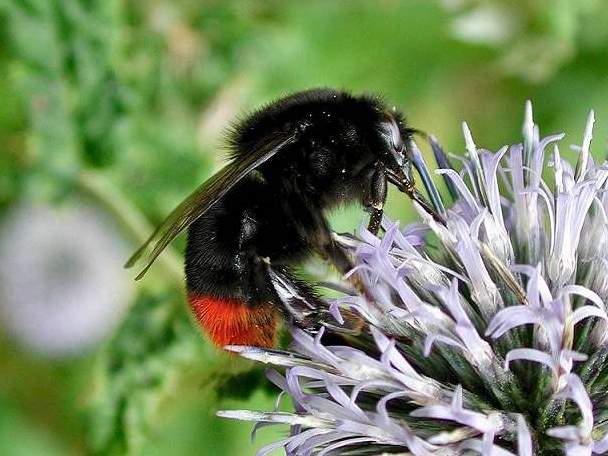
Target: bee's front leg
column 406, row 185
column 375, row 196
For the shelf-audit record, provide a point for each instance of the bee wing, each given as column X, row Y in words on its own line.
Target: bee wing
column 203, row 198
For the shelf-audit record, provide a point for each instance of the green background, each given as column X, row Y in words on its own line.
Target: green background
column 123, row 103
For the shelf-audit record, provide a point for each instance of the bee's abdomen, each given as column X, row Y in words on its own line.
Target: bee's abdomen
column 230, row 321
column 229, row 290
column 212, row 252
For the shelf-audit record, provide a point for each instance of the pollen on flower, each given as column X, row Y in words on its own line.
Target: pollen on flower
column 491, row 341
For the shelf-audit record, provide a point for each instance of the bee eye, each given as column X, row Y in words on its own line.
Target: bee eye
column 392, row 135
column 396, row 137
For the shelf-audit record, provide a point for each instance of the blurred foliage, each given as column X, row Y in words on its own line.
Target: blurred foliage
column 154, row 360
column 124, row 101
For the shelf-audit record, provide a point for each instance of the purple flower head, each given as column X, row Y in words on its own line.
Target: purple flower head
column 491, row 339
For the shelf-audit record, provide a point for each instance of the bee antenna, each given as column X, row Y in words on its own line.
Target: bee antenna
column 415, row 132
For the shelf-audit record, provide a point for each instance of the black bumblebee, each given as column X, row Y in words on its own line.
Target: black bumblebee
column 264, row 212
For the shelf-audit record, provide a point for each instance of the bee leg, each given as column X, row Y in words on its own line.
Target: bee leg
column 337, row 255
column 263, row 283
column 407, row 186
column 297, row 299
column 375, row 196
column 307, row 310
column 343, row 261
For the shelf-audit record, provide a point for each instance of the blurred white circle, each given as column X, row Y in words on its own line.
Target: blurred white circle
column 62, row 285
column 486, row 24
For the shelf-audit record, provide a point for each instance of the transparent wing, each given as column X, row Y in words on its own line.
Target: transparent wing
column 203, row 198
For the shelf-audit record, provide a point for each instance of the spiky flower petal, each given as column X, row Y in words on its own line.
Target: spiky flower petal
column 486, row 335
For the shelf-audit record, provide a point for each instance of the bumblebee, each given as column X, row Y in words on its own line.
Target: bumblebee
column 265, row 211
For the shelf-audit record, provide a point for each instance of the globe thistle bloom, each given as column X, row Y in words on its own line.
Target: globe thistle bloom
column 486, row 335
column 62, row 290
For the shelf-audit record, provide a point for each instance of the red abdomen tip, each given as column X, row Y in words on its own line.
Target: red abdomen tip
column 230, row 321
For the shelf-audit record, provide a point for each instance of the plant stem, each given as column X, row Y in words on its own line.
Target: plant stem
column 131, row 221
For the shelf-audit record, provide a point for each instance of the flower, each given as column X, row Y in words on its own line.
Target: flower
column 61, row 286
column 486, row 336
